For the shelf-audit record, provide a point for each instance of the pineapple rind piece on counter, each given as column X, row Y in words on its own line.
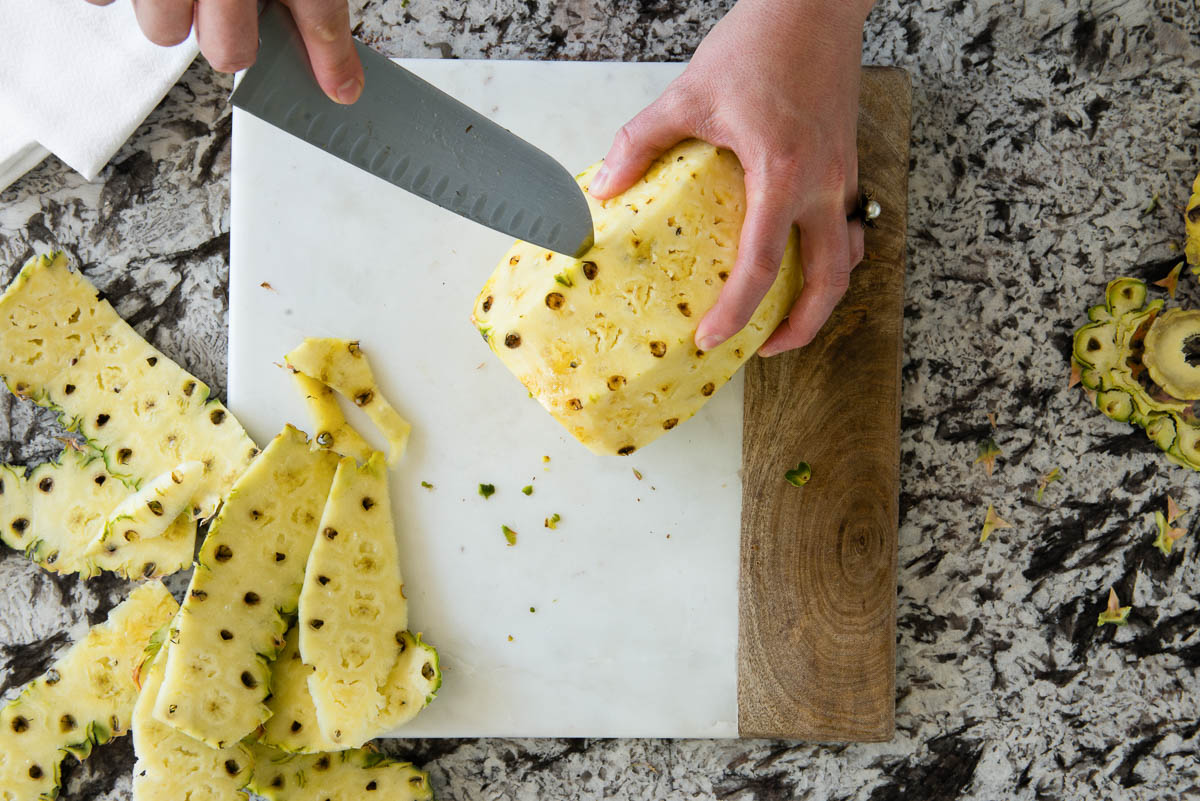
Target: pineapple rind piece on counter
column 605, row 342
column 85, row 699
column 344, row 776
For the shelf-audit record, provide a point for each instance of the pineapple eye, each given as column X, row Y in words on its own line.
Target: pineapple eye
column 226, row 635
column 354, row 349
column 100, row 480
column 248, row 680
column 101, row 419
column 251, row 598
column 322, row 580
column 487, row 302
column 123, row 455
column 231, row 767
column 19, row 525
column 322, row 763
column 279, row 557
column 199, row 595
column 427, row 671
column 189, row 388
column 68, row 389
column 416, row 781
column 153, row 360
column 155, row 507
column 255, row 514
column 20, row 724
column 316, row 624
column 723, row 275
column 277, row 781
column 590, row 270
column 217, row 417
column 367, row 503
column 512, row 340
column 555, row 300
column 707, row 389
column 148, row 569
column 615, row 382
column 46, row 484
column 364, row 397
column 66, row 723
column 371, row 786
column 324, row 439
column 400, row 641
column 574, row 404
column 330, row 533
column 35, row 772
column 658, row 349
column 296, row 726
column 684, row 309
column 224, row 553
column 669, row 424
column 628, row 449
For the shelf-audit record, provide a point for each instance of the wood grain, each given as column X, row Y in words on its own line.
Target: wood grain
column 817, row 617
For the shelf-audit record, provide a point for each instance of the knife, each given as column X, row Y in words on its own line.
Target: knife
column 419, row 138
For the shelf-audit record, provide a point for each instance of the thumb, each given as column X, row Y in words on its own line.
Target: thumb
column 655, row 129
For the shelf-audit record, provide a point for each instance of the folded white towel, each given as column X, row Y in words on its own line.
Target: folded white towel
column 76, row 80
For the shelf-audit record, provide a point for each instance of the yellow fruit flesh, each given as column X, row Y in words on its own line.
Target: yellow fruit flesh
column 345, row 776
column 332, row 429
column 247, row 581
column 148, row 513
column 606, row 342
column 85, row 699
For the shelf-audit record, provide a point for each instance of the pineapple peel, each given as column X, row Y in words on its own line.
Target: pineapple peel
column 341, row 365
column 1113, row 351
column 360, row 773
column 1169, row 343
column 606, row 342
column 1191, row 220
column 1114, row 613
column 333, row 431
column 86, row 698
column 65, row 348
column 148, row 513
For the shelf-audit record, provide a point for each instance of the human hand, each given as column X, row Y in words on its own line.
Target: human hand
column 776, row 82
column 227, row 31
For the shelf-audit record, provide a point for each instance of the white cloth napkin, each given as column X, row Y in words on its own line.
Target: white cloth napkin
column 76, row 80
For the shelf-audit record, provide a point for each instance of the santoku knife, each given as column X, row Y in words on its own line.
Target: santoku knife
column 417, row 137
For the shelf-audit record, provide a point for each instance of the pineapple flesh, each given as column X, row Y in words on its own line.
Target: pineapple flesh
column 149, row 512
column 605, row 342
column 412, row 684
column 246, row 584
column 353, row 614
column 66, row 349
column 333, row 430
column 345, row 776
column 55, row 513
column 172, row 766
column 86, row 699
column 341, row 365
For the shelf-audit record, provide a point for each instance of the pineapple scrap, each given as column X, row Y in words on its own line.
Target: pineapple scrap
column 85, row 699
column 987, row 452
column 1167, row 355
column 411, row 685
column 56, row 512
column 149, row 512
column 510, row 536
column 1047, row 480
column 1191, row 220
column 246, row 584
column 346, row 776
column 992, row 522
column 1173, row 510
column 1171, row 281
column 172, row 766
column 341, row 365
column 66, row 349
column 1114, row 613
column 1168, row 534
column 798, row 477
column 333, row 430
column 606, row 342
column 352, row 609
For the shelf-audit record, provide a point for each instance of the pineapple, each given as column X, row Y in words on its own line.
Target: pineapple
column 352, row 609
column 86, row 699
column 55, row 513
column 413, row 682
column 66, row 349
column 333, row 430
column 149, row 512
column 346, row 776
column 172, row 766
column 1191, row 219
column 246, row 584
column 341, row 365
column 605, row 342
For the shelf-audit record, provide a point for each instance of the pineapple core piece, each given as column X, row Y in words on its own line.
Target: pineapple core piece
column 66, row 349
column 86, row 698
column 605, row 342
column 246, row 584
column 348, row 776
column 172, row 766
column 352, row 609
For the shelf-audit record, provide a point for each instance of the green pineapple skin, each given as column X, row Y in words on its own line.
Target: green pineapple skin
column 86, row 698
column 171, row 765
column 245, row 587
column 1101, row 351
column 64, row 348
column 352, row 607
column 54, row 513
column 345, row 776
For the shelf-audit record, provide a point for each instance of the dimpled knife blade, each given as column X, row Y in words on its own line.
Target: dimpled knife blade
column 417, row 137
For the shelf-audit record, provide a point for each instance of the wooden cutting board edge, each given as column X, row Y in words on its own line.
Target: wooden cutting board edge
column 817, row 582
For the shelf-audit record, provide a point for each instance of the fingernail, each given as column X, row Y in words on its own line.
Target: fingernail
column 710, row 341
column 599, row 180
column 348, row 92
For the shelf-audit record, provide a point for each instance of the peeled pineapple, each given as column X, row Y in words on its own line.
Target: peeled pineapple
column 341, row 365
column 172, row 766
column 345, row 776
column 353, row 614
column 86, row 699
column 247, row 582
column 606, row 342
column 55, row 514
column 66, row 349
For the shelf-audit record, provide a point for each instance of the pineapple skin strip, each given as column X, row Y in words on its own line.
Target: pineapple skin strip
column 345, row 776
column 333, row 430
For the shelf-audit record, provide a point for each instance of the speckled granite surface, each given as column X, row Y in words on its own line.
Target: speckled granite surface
column 1041, row 134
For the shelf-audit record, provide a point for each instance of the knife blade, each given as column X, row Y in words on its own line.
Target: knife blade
column 413, row 135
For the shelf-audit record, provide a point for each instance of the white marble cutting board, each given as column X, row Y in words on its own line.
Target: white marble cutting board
column 635, row 593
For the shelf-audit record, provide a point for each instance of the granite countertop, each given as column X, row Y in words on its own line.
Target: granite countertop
column 1041, row 133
